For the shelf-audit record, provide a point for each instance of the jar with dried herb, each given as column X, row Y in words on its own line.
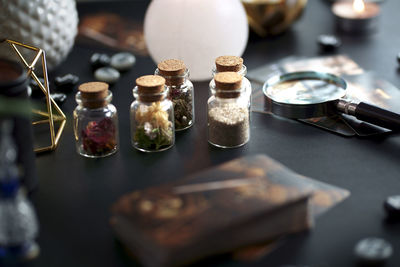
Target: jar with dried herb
column 228, row 111
column 95, row 121
column 152, row 115
column 234, row 64
column 180, row 91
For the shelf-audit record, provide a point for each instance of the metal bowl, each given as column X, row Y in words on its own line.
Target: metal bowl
column 271, row 17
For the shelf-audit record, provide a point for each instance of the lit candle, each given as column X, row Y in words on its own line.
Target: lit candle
column 356, row 16
column 358, row 6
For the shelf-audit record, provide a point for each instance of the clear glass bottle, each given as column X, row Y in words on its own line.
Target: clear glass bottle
column 235, row 64
column 228, row 113
column 152, row 115
column 95, row 121
column 181, row 91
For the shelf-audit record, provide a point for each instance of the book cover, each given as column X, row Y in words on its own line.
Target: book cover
column 246, row 201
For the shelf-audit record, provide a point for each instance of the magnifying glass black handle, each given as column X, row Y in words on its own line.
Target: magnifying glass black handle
column 372, row 114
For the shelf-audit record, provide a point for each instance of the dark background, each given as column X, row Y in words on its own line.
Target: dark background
column 75, row 194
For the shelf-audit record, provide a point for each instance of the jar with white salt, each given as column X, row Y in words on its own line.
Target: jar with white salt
column 228, row 111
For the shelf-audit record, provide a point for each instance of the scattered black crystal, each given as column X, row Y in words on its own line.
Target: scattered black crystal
column 36, row 91
column 98, row 60
column 59, row 98
column 373, row 251
column 66, row 83
column 328, row 42
column 392, row 206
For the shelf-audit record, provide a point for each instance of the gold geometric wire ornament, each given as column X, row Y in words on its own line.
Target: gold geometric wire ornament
column 47, row 117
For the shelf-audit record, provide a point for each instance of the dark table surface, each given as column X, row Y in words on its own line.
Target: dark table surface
column 75, row 194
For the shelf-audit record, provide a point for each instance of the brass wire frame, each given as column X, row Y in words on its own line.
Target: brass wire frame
column 50, row 117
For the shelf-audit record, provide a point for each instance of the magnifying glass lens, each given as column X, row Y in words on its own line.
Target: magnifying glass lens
column 304, row 91
column 309, row 94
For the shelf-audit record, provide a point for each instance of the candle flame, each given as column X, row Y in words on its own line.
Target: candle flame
column 358, row 6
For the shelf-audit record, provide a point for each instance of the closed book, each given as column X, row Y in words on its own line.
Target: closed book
column 242, row 202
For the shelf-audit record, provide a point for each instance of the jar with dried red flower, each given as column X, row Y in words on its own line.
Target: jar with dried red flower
column 95, row 121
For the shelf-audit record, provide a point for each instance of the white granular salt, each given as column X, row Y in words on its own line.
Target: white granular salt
column 228, row 126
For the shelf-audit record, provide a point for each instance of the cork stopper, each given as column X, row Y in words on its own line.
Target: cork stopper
column 94, row 94
column 173, row 71
column 228, row 63
column 228, row 81
column 150, row 87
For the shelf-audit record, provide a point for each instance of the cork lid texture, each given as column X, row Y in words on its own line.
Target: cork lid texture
column 228, row 63
column 150, row 84
column 227, row 84
column 94, row 94
column 173, row 70
column 172, row 67
column 150, row 88
column 228, row 80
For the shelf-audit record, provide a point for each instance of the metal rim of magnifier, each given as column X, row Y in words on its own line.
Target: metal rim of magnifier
column 303, row 111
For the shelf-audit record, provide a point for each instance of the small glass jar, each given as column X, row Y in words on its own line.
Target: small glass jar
column 228, row 113
column 95, row 121
column 152, row 115
column 235, row 64
column 180, row 89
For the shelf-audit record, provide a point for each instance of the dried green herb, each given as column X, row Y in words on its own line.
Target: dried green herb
column 154, row 129
column 183, row 108
column 153, row 139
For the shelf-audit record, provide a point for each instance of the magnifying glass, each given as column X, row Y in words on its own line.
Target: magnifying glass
column 310, row 94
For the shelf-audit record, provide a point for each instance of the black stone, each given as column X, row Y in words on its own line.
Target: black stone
column 66, row 83
column 328, row 42
column 98, row 60
column 392, row 206
column 373, row 251
column 398, row 58
column 59, row 98
column 36, row 91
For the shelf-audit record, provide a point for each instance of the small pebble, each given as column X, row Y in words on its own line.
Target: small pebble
column 59, row 98
column 392, row 206
column 373, row 251
column 328, row 42
column 66, row 83
column 123, row 61
column 107, row 74
column 29, row 90
column 36, row 92
column 98, row 60
column 398, row 58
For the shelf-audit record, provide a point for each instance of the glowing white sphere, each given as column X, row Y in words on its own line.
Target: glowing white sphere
column 195, row 31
